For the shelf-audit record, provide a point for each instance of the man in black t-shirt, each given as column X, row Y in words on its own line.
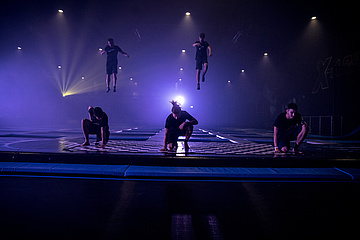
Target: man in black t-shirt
column 98, row 123
column 289, row 126
column 112, row 62
column 178, row 123
column 201, row 57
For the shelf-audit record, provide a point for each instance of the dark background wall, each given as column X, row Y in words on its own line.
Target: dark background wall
column 314, row 63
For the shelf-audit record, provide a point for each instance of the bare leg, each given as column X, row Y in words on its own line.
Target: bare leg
column 104, row 137
column 108, row 82
column 114, row 81
column 198, row 78
column 85, row 126
column 188, row 132
column 204, row 71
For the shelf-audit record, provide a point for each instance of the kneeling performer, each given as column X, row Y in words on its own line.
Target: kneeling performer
column 97, row 124
column 178, row 123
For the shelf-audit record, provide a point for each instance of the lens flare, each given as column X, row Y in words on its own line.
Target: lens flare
column 180, row 100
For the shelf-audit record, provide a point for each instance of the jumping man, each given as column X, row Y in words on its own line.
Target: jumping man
column 112, row 62
column 201, row 58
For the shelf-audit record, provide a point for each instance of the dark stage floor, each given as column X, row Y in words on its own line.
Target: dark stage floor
column 229, row 186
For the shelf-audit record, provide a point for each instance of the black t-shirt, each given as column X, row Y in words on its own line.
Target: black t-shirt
column 112, row 53
column 285, row 124
column 201, row 51
column 171, row 122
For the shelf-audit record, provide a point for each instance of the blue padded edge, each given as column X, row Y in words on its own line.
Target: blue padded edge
column 354, row 173
column 164, row 171
column 215, row 139
column 114, row 170
column 27, row 167
column 234, row 172
column 128, row 138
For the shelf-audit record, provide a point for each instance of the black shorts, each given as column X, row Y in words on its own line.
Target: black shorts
column 174, row 134
column 200, row 63
column 111, row 67
column 286, row 136
column 96, row 129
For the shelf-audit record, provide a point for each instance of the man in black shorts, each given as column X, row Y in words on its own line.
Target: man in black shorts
column 178, row 123
column 289, row 126
column 97, row 124
column 201, row 58
column 112, row 62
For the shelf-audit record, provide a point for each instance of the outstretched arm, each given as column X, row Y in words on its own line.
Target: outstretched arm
column 125, row 54
column 196, row 44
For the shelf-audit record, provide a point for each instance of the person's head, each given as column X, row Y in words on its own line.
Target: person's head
column 98, row 113
column 202, row 36
column 291, row 110
column 111, row 42
column 176, row 109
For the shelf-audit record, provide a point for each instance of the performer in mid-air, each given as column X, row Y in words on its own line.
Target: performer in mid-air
column 178, row 123
column 201, row 58
column 112, row 62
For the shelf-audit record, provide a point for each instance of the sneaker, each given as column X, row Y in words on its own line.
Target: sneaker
column 198, row 86
column 114, row 89
column 108, row 90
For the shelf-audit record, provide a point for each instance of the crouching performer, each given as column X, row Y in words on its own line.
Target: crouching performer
column 289, row 126
column 98, row 123
column 178, row 123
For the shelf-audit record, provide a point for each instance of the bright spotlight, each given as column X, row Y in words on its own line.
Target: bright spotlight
column 187, row 13
column 67, row 93
column 119, row 67
column 100, row 49
column 265, row 54
column 183, row 51
column 181, row 69
column 19, row 48
column 180, row 100
column 59, row 67
column 60, row 11
column 242, row 70
column 313, row 18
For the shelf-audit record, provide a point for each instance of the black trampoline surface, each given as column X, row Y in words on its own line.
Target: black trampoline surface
column 139, row 146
